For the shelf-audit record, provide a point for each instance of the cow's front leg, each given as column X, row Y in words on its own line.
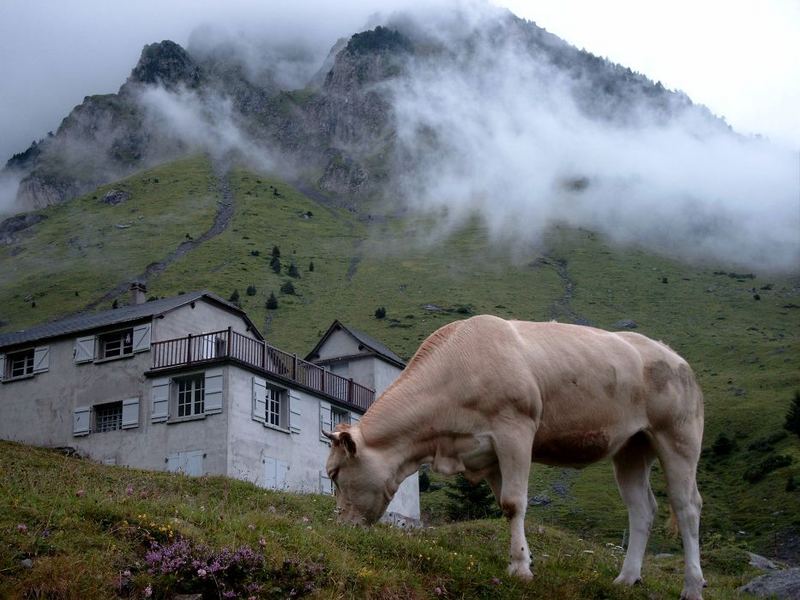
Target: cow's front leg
column 514, row 458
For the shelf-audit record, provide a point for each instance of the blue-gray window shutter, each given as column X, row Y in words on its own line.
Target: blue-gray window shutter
column 2, row 366
column 159, row 410
column 259, row 400
column 84, row 349
column 130, row 413
column 41, row 359
column 141, row 338
column 213, row 391
column 325, row 420
column 81, row 420
column 294, row 412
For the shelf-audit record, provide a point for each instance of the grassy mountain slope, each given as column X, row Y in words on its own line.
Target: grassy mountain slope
column 745, row 351
column 86, row 528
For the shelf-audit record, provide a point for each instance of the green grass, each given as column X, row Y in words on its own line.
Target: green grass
column 85, row 524
column 78, row 253
column 746, row 352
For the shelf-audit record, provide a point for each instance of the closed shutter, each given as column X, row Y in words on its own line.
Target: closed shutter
column 325, row 483
column 41, row 359
column 213, row 391
column 192, row 463
column 81, row 420
column 173, row 463
column 270, row 473
column 130, row 413
column 159, row 411
column 84, row 349
column 325, row 420
column 259, row 400
column 141, row 338
column 282, row 468
column 294, row 412
column 2, row 366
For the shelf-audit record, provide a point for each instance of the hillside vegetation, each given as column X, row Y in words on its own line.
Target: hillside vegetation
column 740, row 331
column 74, row 529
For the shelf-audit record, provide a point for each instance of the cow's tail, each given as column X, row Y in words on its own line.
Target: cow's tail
column 672, row 526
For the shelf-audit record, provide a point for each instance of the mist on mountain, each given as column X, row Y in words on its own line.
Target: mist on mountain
column 451, row 113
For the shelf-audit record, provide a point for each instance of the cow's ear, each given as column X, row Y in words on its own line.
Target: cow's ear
column 343, row 439
column 347, row 442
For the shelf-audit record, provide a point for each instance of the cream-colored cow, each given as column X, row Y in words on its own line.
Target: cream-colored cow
column 485, row 396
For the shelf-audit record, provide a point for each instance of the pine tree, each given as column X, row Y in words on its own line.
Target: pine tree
column 468, row 501
column 272, row 301
column 380, row 312
column 293, row 272
column 234, row 297
column 793, row 416
column 287, row 288
column 276, row 252
column 275, row 263
column 311, row 267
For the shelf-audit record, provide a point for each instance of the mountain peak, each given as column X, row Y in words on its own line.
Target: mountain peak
column 165, row 63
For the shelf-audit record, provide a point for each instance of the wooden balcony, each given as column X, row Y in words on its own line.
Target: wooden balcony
column 229, row 345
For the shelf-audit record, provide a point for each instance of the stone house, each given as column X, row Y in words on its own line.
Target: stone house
column 189, row 384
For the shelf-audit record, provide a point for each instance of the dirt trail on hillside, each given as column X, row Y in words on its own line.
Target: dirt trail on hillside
column 225, row 210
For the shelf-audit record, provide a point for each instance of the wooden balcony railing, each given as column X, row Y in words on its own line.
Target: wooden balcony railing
column 194, row 349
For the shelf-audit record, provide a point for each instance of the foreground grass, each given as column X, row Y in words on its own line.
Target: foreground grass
column 83, row 525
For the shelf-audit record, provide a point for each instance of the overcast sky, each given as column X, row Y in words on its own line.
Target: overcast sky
column 739, row 57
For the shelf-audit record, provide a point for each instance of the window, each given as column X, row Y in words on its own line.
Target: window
column 274, row 407
column 117, row 343
column 19, row 364
column 108, row 417
column 339, row 416
column 191, row 396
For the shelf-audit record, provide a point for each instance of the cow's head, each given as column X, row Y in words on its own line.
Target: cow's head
column 359, row 475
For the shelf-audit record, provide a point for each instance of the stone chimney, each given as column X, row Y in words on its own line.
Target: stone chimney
column 138, row 293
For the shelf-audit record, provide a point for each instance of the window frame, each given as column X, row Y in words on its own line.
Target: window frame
column 340, row 415
column 125, row 349
column 280, row 396
column 97, row 409
column 197, row 396
column 28, row 358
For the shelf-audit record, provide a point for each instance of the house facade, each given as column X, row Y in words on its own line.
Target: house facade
column 188, row 384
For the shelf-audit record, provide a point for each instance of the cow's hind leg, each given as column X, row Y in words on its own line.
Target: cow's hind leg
column 514, row 457
column 632, row 470
column 679, row 452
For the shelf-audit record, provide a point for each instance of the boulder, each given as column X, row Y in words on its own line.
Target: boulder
column 784, row 585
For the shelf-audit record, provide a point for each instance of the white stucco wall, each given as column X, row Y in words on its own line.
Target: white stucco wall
column 339, row 343
column 39, row 410
column 204, row 317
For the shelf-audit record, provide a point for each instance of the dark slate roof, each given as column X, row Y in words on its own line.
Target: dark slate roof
column 369, row 342
column 124, row 314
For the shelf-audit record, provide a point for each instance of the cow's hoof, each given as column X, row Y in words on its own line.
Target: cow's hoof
column 520, row 570
column 623, row 579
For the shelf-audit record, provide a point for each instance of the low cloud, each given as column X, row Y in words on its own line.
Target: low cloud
column 497, row 131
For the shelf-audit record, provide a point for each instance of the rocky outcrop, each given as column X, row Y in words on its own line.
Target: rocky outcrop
column 11, row 228
column 783, row 585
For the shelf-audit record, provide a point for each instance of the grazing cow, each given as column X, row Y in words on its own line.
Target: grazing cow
column 485, row 397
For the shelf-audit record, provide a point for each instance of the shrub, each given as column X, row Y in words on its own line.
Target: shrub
column 311, row 267
column 251, row 290
column 767, row 444
column 275, row 263
column 793, row 416
column 424, row 480
column 468, row 501
column 287, row 288
column 276, row 252
column 380, row 312
column 293, row 272
column 768, row 465
column 234, row 297
column 255, row 253
column 723, row 445
column 272, row 301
